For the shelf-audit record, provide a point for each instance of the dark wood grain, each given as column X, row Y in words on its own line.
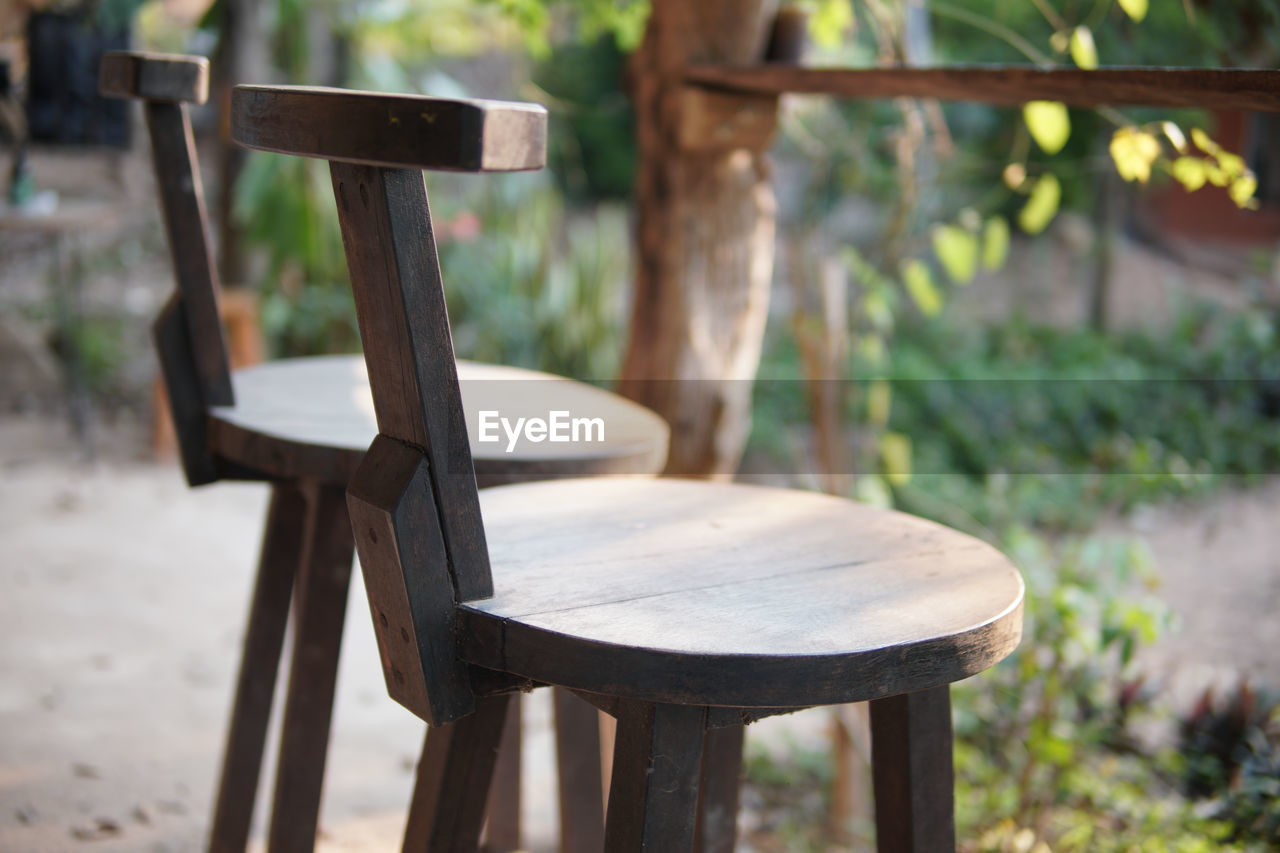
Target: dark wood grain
column 397, row 131
column 182, row 198
column 321, row 603
column 717, row 829
column 502, row 812
column 395, row 274
column 911, row 763
column 447, row 810
column 403, row 561
column 578, row 767
column 653, row 797
column 172, row 339
column 154, row 76
column 259, row 661
column 1009, row 86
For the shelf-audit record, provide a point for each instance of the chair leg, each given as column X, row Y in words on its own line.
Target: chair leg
column 911, row 765
column 263, row 642
column 454, row 774
column 578, row 767
column 320, row 606
column 502, row 811
column 653, row 798
column 718, row 791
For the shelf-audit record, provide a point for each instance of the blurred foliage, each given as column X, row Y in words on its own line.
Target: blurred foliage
column 532, row 282
column 1230, row 754
column 591, row 145
column 1027, row 436
column 1054, row 427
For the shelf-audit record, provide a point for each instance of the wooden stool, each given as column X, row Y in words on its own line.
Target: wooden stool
column 684, row 609
column 304, row 425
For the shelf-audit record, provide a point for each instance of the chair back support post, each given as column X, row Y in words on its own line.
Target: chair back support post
column 186, row 224
column 188, row 333
column 414, row 508
column 399, row 296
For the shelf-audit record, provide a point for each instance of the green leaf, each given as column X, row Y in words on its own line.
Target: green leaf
column 1242, row 190
column 895, row 451
column 1041, row 206
column 1233, row 164
column 830, row 21
column 1136, row 9
column 1133, row 151
column 1203, row 142
column 1083, row 51
column 879, row 399
column 1049, row 124
column 1190, row 172
column 870, row 489
column 957, row 249
column 995, row 243
column 919, row 282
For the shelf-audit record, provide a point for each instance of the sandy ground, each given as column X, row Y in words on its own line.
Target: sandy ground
column 1219, row 567
column 123, row 604
column 119, row 630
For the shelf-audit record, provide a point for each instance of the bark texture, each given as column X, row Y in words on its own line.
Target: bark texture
column 705, row 234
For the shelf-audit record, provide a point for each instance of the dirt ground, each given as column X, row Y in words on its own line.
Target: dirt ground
column 123, row 604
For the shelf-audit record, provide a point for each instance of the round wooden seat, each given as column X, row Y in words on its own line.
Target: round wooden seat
column 719, row 594
column 313, row 417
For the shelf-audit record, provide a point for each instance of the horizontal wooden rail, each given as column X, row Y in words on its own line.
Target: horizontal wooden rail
column 1156, row 87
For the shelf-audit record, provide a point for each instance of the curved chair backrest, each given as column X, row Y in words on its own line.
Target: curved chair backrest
column 192, row 351
column 413, row 502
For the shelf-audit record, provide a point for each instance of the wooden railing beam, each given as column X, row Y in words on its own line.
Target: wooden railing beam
column 1257, row 90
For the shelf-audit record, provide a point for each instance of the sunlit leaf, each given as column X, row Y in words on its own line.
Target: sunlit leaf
column 830, row 21
column 1203, row 142
column 919, row 283
column 1174, row 133
column 957, row 249
column 1190, row 172
column 1041, row 206
column 1134, row 150
column 1136, row 9
column 1083, row 51
column 995, row 242
column 870, row 489
column 1049, row 124
column 1233, row 164
column 895, row 451
column 1242, row 190
column 879, row 399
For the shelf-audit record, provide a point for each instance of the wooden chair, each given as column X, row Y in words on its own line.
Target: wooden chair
column 685, row 609
column 303, row 425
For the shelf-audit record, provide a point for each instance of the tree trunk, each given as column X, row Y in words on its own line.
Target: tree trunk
column 705, row 231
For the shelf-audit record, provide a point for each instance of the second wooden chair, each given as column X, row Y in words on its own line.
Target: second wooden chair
column 303, row 425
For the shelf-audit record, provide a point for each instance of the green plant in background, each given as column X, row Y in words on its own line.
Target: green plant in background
column 287, row 206
column 788, row 795
column 536, row 284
